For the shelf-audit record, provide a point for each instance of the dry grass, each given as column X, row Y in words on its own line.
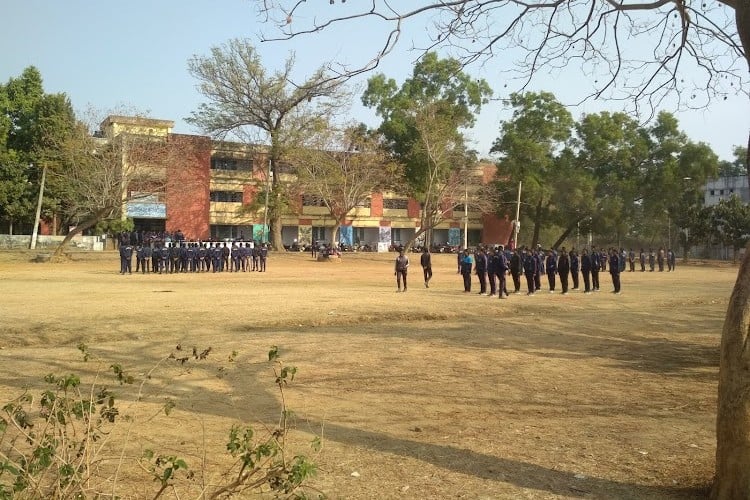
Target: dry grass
column 429, row 394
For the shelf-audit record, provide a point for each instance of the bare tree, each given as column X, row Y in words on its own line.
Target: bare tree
column 450, row 181
column 342, row 168
column 97, row 176
column 248, row 102
column 637, row 52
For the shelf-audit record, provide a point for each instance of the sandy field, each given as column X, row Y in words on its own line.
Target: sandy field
column 429, row 394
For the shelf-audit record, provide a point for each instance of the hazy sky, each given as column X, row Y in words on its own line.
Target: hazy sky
column 133, row 55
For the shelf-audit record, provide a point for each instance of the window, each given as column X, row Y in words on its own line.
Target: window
column 311, row 200
column 218, row 163
column 318, row 233
column 396, row 235
column 459, row 208
column 364, row 204
column 227, row 196
column 395, row 203
column 712, row 192
column 721, row 192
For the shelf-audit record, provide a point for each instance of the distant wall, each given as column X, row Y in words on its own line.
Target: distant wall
column 94, row 243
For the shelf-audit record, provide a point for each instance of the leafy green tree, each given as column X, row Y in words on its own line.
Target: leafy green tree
column 530, row 148
column 736, row 167
column 731, row 223
column 249, row 102
column 423, row 124
column 31, row 123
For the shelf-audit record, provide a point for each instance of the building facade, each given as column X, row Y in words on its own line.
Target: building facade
column 214, row 191
column 724, row 188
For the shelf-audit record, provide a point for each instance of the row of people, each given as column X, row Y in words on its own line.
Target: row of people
column 493, row 265
column 193, row 257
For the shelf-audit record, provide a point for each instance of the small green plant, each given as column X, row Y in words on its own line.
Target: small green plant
column 51, row 446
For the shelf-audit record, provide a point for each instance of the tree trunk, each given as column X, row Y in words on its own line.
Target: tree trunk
column 89, row 223
column 733, row 414
column 334, row 233
column 566, row 233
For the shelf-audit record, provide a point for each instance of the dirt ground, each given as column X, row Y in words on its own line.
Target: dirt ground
column 430, row 394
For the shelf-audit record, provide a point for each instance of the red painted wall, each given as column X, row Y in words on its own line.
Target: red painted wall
column 189, row 174
column 496, row 230
column 376, row 205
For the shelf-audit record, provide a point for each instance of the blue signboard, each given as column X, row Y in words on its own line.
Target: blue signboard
column 140, row 210
column 454, row 236
column 346, row 235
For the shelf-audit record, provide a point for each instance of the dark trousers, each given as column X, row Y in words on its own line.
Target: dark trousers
column 586, row 281
column 551, row 281
column 467, row 281
column 616, row 281
column 537, row 281
column 516, row 281
column 574, row 275
column 595, row 279
column 502, row 283
column 493, row 283
column 401, row 276
column 530, row 282
column 564, row 282
column 427, row 271
column 482, row 282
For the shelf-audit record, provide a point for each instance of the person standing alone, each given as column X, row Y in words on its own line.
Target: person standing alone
column 426, row 261
column 402, row 265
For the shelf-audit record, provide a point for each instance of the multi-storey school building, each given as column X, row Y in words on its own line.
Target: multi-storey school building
column 212, row 184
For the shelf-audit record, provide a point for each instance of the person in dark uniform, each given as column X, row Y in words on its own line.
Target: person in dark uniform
column 202, row 258
column 492, row 257
column 467, row 264
column 163, row 259
column 235, row 267
column 530, row 269
column 156, row 257
column 126, row 258
column 575, row 266
column 256, row 257
column 425, row 260
column 539, row 258
column 586, row 267
column 642, row 259
column 660, row 259
column 225, row 252
column 631, row 260
column 670, row 259
column 603, row 259
column 651, row 260
column 174, row 258
column 563, row 269
column 147, row 253
column 595, row 267
column 400, row 270
column 313, row 250
column 501, row 271
column 614, row 269
column 263, row 257
column 516, row 268
column 183, row 257
column 480, row 269
column 551, row 269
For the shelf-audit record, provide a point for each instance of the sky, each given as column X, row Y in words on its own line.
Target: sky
column 114, row 56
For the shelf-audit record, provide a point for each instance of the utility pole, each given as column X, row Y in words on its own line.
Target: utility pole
column 517, row 227
column 466, row 212
column 265, row 210
column 35, row 232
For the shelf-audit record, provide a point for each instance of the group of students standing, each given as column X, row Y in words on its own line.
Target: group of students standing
column 492, row 265
column 193, row 257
